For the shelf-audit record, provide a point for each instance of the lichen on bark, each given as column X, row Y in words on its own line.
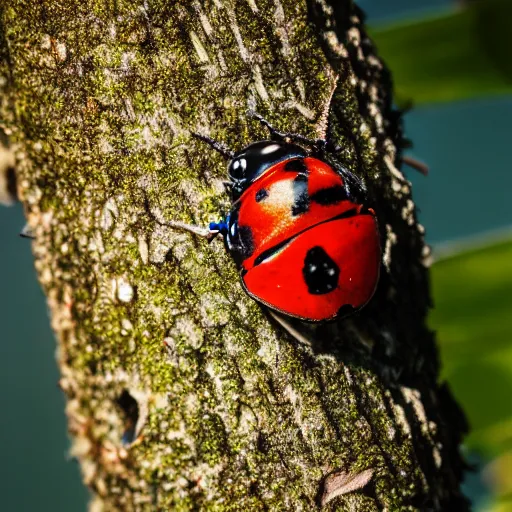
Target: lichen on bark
column 182, row 393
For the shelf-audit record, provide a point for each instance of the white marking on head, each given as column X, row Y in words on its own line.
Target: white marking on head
column 270, row 149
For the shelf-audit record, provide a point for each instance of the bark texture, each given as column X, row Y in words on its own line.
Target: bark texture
column 182, row 394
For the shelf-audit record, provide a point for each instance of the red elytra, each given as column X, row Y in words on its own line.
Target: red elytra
column 352, row 244
column 304, row 247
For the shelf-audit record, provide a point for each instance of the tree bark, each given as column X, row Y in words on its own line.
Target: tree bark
column 182, row 393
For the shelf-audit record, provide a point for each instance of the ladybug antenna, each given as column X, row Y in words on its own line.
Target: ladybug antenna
column 273, row 132
column 276, row 135
column 221, row 148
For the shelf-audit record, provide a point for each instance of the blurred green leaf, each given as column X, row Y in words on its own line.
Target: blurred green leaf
column 465, row 54
column 473, row 318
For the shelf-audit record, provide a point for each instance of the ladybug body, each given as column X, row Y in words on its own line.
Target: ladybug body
column 304, row 245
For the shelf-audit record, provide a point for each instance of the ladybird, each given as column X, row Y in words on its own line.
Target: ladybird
column 305, row 245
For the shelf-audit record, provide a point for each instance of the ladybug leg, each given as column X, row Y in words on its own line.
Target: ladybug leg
column 189, row 228
column 352, row 182
column 416, row 164
column 209, row 233
column 218, row 228
column 288, row 327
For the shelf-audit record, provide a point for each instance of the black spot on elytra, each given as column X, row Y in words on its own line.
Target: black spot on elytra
column 320, row 272
column 300, row 195
column 296, row 165
column 261, row 194
column 328, row 196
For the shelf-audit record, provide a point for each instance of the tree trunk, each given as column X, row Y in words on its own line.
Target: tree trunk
column 182, row 393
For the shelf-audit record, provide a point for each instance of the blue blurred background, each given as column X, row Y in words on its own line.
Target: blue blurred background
column 452, row 60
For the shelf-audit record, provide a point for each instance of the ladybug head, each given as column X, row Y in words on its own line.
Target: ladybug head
column 252, row 161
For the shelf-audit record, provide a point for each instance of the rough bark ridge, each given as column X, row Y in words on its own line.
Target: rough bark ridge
column 182, row 395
